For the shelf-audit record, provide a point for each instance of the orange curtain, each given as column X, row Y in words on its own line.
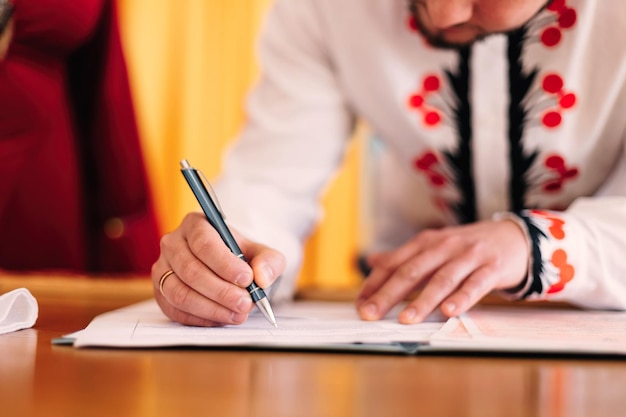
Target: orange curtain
column 191, row 63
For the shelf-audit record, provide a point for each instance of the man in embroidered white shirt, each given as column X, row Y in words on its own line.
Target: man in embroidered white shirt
column 504, row 162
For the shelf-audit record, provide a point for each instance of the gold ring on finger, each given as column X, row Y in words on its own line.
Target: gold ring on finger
column 162, row 280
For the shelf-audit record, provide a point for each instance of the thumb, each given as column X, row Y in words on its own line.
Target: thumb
column 267, row 264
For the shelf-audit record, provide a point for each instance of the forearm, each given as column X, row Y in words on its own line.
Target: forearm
column 294, row 139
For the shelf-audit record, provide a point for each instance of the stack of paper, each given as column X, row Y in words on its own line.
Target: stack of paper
column 336, row 326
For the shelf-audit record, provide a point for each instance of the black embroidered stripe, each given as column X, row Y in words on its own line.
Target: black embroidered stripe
column 460, row 160
column 519, row 86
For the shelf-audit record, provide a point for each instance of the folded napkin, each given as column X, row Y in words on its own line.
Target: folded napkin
column 18, row 310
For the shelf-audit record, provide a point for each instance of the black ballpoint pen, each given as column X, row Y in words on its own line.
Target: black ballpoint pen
column 214, row 216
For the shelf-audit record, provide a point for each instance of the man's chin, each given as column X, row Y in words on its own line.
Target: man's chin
column 441, row 42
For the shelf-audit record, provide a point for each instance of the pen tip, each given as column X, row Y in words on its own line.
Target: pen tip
column 275, row 325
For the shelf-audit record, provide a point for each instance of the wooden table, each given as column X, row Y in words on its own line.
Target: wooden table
column 39, row 379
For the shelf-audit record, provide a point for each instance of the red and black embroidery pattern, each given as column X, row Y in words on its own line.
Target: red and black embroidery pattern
column 449, row 167
column 546, row 231
column 542, row 107
column 537, row 101
column 554, row 173
column 550, row 29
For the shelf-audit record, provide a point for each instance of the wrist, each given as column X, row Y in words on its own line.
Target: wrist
column 517, row 290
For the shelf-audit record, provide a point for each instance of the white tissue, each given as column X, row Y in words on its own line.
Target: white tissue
column 18, row 310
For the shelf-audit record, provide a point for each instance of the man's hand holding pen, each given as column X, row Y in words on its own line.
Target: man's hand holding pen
column 208, row 286
column 212, row 273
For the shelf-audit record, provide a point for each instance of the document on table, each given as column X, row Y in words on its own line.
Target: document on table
column 529, row 329
column 301, row 325
column 318, row 325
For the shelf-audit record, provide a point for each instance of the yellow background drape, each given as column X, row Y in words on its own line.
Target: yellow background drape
column 191, row 63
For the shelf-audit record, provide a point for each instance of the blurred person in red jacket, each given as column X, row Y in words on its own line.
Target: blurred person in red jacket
column 74, row 194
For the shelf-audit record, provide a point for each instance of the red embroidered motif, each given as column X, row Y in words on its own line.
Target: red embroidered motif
column 556, row 223
column 565, row 19
column 556, row 163
column 566, row 271
column 553, row 85
column 427, row 165
column 431, row 116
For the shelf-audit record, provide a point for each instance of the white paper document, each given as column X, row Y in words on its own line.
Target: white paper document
column 302, row 324
column 318, row 325
column 527, row 329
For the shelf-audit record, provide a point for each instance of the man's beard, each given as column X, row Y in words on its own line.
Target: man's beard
column 437, row 40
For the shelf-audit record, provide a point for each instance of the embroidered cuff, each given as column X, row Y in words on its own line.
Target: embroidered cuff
column 520, row 291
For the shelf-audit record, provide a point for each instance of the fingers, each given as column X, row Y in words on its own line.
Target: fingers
column 388, row 287
column 208, row 285
column 267, row 264
column 384, row 265
column 479, row 284
column 456, row 267
column 443, row 282
column 183, row 304
column 206, row 248
column 455, row 288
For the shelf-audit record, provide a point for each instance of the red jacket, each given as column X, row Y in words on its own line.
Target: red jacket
column 73, row 188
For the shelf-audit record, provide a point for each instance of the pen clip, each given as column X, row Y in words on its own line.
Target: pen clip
column 211, row 192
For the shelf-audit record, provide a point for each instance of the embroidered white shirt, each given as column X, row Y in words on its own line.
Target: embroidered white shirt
column 531, row 123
